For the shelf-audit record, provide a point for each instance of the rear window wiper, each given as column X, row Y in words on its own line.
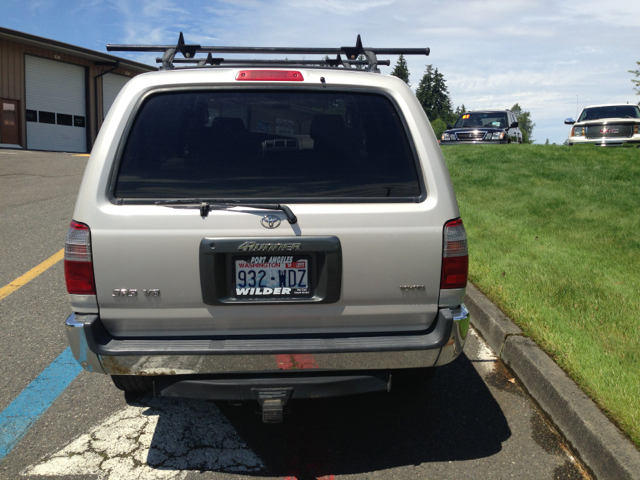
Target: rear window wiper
column 205, row 204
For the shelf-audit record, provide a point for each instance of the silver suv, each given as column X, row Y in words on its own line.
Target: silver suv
column 252, row 233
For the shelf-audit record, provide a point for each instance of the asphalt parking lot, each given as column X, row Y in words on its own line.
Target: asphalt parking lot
column 472, row 421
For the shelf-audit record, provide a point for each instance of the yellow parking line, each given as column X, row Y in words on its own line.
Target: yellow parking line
column 81, row 155
column 31, row 274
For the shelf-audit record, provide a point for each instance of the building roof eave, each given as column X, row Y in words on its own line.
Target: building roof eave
column 68, row 49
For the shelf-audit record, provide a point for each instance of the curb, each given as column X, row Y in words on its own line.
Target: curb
column 599, row 443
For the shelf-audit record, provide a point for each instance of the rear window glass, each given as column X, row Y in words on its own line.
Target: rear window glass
column 267, row 144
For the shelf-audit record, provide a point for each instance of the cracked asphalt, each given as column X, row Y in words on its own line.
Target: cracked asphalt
column 472, row 421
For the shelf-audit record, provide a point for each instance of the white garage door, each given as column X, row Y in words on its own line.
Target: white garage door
column 111, row 86
column 56, row 109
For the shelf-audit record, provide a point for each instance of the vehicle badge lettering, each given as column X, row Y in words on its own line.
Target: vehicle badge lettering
column 133, row 292
column 609, row 130
column 407, row 288
column 124, row 292
column 270, row 221
column 261, row 247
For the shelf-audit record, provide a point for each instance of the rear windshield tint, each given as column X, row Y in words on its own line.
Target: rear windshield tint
column 268, row 145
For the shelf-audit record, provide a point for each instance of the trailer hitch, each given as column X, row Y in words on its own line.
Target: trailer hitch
column 272, row 402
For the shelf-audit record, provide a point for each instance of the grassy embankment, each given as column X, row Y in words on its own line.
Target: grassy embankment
column 554, row 241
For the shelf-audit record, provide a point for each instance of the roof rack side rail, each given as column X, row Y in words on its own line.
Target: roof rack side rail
column 351, row 53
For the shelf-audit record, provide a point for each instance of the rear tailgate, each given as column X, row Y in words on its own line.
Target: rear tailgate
column 376, row 255
column 368, row 236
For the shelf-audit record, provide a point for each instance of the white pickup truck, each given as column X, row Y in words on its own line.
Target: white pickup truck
column 612, row 125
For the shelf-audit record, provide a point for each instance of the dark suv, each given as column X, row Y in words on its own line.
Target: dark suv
column 483, row 127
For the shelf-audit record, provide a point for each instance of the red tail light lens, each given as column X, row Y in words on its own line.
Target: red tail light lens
column 78, row 265
column 270, row 76
column 455, row 256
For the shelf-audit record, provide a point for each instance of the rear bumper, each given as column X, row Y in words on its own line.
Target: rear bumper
column 284, row 385
column 96, row 350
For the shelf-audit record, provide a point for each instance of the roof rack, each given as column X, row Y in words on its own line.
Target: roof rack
column 353, row 55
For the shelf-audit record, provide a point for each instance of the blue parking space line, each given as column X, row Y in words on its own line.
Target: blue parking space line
column 35, row 399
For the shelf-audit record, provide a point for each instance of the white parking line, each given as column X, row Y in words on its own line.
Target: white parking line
column 154, row 439
column 484, row 352
column 479, row 353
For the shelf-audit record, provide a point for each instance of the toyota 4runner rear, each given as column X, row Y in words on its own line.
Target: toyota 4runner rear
column 252, row 233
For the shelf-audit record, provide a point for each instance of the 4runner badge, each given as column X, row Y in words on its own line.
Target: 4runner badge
column 263, row 247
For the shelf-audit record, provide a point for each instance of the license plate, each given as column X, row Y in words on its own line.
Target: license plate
column 272, row 276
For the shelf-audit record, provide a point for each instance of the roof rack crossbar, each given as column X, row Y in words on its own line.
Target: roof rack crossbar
column 239, row 61
column 352, row 54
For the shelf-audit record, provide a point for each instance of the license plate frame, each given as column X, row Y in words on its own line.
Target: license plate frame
column 216, row 264
column 272, row 277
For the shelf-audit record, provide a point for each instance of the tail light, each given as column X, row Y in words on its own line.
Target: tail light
column 455, row 256
column 78, row 265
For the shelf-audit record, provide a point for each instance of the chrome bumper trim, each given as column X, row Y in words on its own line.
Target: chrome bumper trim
column 200, row 364
column 454, row 346
column 442, row 345
column 605, row 142
column 74, row 326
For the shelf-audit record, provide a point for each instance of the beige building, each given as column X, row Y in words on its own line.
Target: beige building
column 54, row 96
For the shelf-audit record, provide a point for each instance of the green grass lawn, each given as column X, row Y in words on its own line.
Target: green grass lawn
column 554, row 241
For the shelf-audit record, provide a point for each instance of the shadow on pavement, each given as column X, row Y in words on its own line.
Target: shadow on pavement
column 454, row 418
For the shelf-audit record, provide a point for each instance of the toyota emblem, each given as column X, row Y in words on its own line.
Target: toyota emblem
column 270, row 221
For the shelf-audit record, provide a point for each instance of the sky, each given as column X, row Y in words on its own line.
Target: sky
column 551, row 57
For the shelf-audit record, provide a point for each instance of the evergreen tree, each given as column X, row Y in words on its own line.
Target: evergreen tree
column 460, row 110
column 456, row 114
column 433, row 95
column 401, row 70
column 524, row 123
column 636, row 82
column 443, row 107
column 424, row 92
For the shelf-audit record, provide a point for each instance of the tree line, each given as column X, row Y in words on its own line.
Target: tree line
column 636, row 82
column 433, row 95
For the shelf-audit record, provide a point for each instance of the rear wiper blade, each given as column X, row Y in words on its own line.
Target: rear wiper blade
column 205, row 204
